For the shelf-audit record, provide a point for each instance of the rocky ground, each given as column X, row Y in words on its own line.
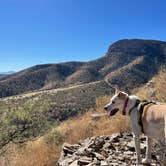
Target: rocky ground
column 115, row 150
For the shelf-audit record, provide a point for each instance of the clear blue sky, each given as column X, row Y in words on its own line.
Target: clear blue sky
column 50, row 31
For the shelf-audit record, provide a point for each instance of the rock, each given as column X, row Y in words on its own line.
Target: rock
column 109, row 145
column 114, row 164
column 96, row 161
column 114, row 150
column 120, row 158
column 104, row 163
column 81, row 151
column 84, row 161
column 66, row 161
column 99, row 156
column 98, row 144
column 128, row 153
column 131, row 147
column 91, row 164
column 75, row 163
column 69, row 149
column 115, row 137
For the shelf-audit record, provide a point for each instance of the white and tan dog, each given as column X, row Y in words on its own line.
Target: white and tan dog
column 153, row 121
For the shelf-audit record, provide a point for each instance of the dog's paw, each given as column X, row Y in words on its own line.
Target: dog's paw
column 146, row 161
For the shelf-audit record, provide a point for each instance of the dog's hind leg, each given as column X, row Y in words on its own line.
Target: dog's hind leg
column 147, row 159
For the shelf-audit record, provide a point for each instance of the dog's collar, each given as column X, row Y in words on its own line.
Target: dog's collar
column 125, row 106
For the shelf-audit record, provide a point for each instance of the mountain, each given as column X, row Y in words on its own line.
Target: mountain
column 8, row 72
column 129, row 62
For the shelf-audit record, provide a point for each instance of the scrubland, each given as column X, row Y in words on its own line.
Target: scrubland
column 45, row 150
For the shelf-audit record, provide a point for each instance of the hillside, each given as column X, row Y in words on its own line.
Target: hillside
column 29, row 115
column 46, row 150
column 137, row 60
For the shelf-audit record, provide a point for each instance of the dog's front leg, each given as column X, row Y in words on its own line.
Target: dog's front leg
column 147, row 159
column 137, row 148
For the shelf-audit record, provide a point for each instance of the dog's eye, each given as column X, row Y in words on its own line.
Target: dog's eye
column 113, row 102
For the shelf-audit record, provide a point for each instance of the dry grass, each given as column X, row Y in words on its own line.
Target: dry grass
column 155, row 89
column 82, row 127
column 34, row 153
column 160, row 85
column 46, row 150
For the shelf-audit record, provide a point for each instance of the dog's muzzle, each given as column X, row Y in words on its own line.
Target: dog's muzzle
column 112, row 112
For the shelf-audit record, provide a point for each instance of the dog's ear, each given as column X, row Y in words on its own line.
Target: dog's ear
column 116, row 89
column 122, row 95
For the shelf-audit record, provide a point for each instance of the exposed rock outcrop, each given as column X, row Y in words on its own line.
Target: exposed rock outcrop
column 117, row 149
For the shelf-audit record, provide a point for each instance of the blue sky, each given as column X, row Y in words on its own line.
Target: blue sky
column 51, row 31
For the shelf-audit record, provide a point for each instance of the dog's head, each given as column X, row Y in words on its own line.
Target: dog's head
column 116, row 103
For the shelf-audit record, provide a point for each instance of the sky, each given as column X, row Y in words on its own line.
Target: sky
column 52, row 31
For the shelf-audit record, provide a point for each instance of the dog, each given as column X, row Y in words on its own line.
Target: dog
column 153, row 121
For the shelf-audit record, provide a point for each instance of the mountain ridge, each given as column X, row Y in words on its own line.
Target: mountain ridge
column 130, row 57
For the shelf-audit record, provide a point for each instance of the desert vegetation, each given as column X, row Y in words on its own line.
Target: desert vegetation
column 46, row 150
column 46, row 137
column 27, row 116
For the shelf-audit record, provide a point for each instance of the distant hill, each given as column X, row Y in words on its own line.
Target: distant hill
column 3, row 74
column 129, row 62
column 8, row 72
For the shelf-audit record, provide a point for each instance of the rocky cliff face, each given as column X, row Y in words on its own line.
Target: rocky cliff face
column 115, row 150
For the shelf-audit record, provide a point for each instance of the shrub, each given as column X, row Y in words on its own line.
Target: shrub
column 54, row 137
